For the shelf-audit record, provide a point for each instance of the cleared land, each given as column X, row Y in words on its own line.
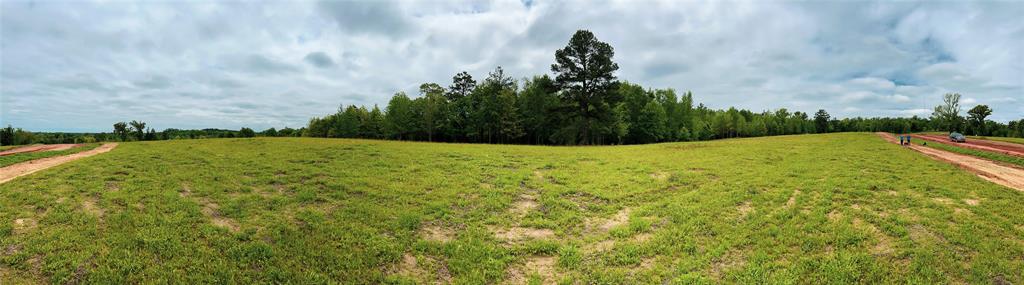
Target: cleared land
column 10, row 172
column 1001, row 174
column 984, row 145
column 39, row 147
column 1009, row 160
column 836, row 208
column 38, row 153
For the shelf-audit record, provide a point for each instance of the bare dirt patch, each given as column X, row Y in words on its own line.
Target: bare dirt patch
column 646, row 263
column 24, row 225
column 112, row 186
column 834, row 215
column 745, row 209
column 538, row 175
column 11, row 172
column 643, row 237
column 731, row 260
column 972, row 202
column 408, row 265
column 524, row 205
column 38, row 148
column 604, row 245
column 210, row 209
column 12, row 249
column 944, row 201
column 411, row 267
column 660, row 175
column 540, row 266
column 89, row 205
column 517, row 234
column 884, row 246
column 792, row 198
column 436, row 233
column 996, row 173
column 185, row 191
column 584, row 201
column 619, row 219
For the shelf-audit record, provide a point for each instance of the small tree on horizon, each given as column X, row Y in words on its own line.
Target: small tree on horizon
column 246, row 133
column 976, row 117
column 821, row 119
column 947, row 115
column 139, row 129
column 121, row 130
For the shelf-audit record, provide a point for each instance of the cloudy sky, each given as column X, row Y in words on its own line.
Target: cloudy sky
column 81, row 66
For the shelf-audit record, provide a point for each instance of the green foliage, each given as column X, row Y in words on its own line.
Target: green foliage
column 399, row 121
column 947, row 116
column 821, row 121
column 121, row 131
column 976, row 120
column 585, row 74
column 246, row 133
column 585, row 104
column 138, row 129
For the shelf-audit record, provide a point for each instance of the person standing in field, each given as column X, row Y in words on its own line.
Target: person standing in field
column 908, row 140
column 901, row 140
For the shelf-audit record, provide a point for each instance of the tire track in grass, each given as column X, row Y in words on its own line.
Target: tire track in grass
column 11, row 172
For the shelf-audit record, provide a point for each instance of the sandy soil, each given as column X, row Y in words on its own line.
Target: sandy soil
column 38, row 147
column 996, row 173
column 25, row 168
column 1004, row 148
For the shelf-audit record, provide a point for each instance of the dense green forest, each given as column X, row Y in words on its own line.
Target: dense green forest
column 586, row 104
column 583, row 104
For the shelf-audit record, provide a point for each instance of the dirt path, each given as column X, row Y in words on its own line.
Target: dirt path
column 25, row 168
column 1003, row 175
column 39, row 147
column 1009, row 149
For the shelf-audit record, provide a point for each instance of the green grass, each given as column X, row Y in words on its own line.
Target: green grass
column 809, row 209
column 26, row 156
column 1002, row 139
column 980, row 153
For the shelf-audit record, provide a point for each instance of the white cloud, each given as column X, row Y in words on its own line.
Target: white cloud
column 83, row 66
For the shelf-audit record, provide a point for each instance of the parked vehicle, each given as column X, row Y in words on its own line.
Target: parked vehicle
column 957, row 137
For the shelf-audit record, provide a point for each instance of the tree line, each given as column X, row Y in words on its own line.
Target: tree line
column 585, row 104
column 134, row 131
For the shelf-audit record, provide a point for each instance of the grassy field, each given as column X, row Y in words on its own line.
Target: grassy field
column 26, row 156
column 980, row 153
column 810, row 209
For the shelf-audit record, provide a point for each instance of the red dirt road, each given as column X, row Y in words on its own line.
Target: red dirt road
column 10, row 172
column 38, row 147
column 996, row 173
column 984, row 145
